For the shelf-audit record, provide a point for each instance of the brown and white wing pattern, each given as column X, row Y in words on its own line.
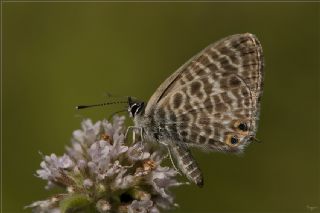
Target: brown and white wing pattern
column 212, row 101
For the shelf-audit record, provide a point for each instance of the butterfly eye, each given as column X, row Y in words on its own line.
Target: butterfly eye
column 243, row 127
column 134, row 109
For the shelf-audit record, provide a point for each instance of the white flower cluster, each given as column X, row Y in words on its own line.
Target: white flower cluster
column 100, row 173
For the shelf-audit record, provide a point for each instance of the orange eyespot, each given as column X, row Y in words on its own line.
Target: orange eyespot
column 243, row 127
column 232, row 140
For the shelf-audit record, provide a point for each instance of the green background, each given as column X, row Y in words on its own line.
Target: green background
column 58, row 55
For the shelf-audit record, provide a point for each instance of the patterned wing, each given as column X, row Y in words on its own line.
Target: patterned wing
column 213, row 100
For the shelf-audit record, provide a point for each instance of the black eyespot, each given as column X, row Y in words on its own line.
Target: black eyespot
column 243, row 127
column 234, row 140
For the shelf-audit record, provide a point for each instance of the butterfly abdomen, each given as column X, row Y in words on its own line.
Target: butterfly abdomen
column 187, row 164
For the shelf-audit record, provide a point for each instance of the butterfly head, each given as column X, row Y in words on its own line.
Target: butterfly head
column 135, row 107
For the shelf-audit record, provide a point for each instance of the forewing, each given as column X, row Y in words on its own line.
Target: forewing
column 213, row 100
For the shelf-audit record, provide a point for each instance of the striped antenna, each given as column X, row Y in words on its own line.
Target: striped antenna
column 103, row 104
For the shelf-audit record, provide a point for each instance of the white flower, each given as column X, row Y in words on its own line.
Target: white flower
column 100, row 171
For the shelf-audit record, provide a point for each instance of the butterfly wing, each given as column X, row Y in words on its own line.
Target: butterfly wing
column 212, row 101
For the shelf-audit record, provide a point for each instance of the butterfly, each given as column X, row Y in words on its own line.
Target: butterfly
column 211, row 102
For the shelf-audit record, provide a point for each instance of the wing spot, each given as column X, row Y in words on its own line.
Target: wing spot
column 173, row 117
column 193, row 137
column 177, row 100
column 185, row 118
column 221, row 107
column 211, row 141
column 208, row 104
column 234, row 140
column 195, row 87
column 208, row 131
column 243, row 127
column 212, row 67
column 202, row 139
column 244, row 92
column 226, row 99
column 201, row 72
column 200, row 95
column 234, row 82
column 247, row 102
column 184, row 133
column 204, row 121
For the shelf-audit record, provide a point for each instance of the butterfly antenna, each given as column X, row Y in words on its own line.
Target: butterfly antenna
column 103, row 104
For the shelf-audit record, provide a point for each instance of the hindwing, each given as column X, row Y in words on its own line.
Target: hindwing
column 212, row 101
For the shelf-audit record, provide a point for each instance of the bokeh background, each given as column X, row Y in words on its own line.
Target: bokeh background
column 58, row 55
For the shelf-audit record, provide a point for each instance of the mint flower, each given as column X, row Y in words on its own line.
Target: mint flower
column 101, row 172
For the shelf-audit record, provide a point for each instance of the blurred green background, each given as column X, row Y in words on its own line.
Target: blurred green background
column 58, row 55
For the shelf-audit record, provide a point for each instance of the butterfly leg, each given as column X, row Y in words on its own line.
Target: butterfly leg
column 134, row 137
column 127, row 131
column 187, row 163
column 133, row 133
column 171, row 159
